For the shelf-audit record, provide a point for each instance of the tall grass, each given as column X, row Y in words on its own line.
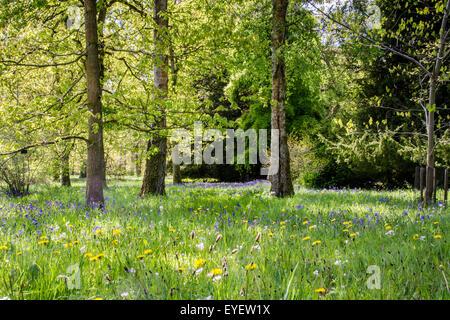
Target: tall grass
column 222, row 241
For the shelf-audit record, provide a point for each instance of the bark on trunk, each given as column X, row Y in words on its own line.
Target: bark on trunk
column 177, row 174
column 281, row 181
column 155, row 167
column 95, row 159
column 65, row 170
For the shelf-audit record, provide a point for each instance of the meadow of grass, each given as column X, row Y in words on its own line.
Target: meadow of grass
column 222, row 241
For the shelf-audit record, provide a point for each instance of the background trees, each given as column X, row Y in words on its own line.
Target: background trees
column 356, row 105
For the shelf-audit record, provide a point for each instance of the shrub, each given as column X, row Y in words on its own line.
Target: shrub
column 16, row 175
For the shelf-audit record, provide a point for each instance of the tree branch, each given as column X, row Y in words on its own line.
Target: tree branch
column 43, row 144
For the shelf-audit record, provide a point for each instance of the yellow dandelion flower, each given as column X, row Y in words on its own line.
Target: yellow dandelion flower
column 19, row 253
column 282, row 222
column 99, row 231
column 321, row 290
column 43, row 242
column 437, row 236
column 43, row 238
column 306, row 238
column 216, row 272
column 316, row 242
column 346, row 223
column 3, row 248
column 292, row 236
column 251, row 266
column 172, row 230
column 116, row 232
column 415, row 236
column 333, row 220
column 352, row 234
column 181, row 269
column 312, row 227
column 148, row 251
column 88, row 255
column 115, row 241
column 68, row 245
column 141, row 256
column 282, row 227
column 345, row 230
column 305, row 222
column 76, row 242
column 388, row 228
column 199, row 263
column 270, row 234
column 130, row 228
column 97, row 257
column 57, row 252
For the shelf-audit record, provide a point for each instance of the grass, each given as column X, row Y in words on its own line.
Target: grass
column 222, row 241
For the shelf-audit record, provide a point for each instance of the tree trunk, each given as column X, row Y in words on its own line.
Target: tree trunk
column 56, row 170
column 95, row 159
column 430, row 145
column 155, row 167
column 281, row 181
column 176, row 168
column 177, row 174
column 137, row 164
column 101, row 57
column 83, row 173
column 434, row 78
column 65, row 170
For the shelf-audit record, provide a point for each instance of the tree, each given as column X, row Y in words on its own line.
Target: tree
column 427, row 59
column 155, row 166
column 430, row 109
column 95, row 157
column 281, row 181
